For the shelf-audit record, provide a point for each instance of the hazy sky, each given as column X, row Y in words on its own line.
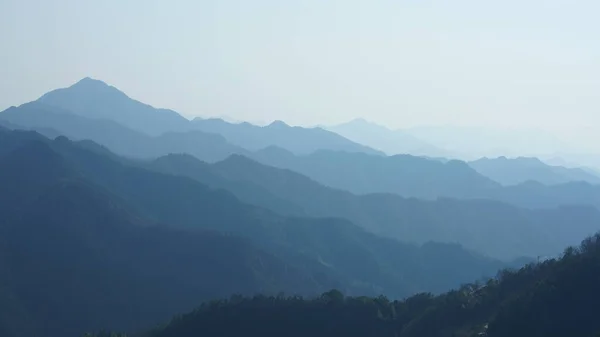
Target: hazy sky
column 400, row 63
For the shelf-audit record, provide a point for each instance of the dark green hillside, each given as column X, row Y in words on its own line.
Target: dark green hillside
column 555, row 298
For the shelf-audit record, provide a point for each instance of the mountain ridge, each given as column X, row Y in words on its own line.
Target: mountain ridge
column 391, row 142
column 443, row 220
column 95, row 99
column 513, row 171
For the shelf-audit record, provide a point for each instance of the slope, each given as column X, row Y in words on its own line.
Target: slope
column 389, row 141
column 47, row 132
column 95, row 99
column 74, row 259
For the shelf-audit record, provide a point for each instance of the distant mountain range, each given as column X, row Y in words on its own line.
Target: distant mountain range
column 418, row 177
column 104, row 243
column 120, row 139
column 357, row 172
column 470, row 143
column 295, row 139
column 391, row 142
column 490, row 227
column 321, row 155
column 405, row 175
column 119, row 215
column 95, row 99
column 519, row 170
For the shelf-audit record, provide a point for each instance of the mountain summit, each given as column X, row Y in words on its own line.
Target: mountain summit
column 95, row 99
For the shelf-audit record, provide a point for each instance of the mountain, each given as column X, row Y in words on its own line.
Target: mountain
column 95, row 99
column 470, row 143
column 489, row 227
column 418, row 177
column 391, row 142
column 587, row 161
column 361, row 173
column 103, row 242
column 519, row 170
column 75, row 258
column 295, row 139
column 554, row 298
column 184, row 203
column 118, row 138
column 190, row 166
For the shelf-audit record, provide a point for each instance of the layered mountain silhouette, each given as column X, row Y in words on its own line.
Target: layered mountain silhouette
column 391, row 142
column 405, row 175
column 91, row 240
column 120, row 139
column 490, row 227
column 119, row 215
column 520, row 170
column 77, row 259
column 360, row 173
column 95, row 99
column 419, row 177
column 295, row 139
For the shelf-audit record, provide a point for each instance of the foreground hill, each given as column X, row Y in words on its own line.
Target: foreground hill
column 555, row 298
column 519, row 170
column 101, row 242
column 486, row 226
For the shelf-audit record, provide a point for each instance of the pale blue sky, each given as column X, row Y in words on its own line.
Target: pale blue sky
column 400, row 63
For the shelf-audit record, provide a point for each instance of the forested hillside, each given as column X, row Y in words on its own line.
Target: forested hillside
column 554, row 298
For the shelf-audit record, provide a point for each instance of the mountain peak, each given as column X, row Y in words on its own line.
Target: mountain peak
column 90, row 82
column 83, row 89
column 359, row 120
column 278, row 124
column 96, row 99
